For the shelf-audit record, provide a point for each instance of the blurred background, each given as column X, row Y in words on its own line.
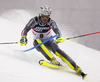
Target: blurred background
column 73, row 17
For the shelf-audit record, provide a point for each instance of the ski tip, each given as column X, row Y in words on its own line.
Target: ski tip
column 41, row 62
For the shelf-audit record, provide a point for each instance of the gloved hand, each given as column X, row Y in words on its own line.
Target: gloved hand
column 60, row 39
column 23, row 41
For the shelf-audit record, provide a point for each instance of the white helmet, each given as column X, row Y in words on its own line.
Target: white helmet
column 45, row 10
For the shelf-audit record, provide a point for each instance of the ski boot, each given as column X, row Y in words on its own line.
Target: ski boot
column 82, row 74
column 79, row 71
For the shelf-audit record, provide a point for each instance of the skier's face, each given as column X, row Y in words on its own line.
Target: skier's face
column 44, row 18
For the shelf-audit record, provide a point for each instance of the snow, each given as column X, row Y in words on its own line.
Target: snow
column 18, row 66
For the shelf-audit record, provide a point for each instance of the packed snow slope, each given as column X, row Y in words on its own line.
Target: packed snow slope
column 16, row 66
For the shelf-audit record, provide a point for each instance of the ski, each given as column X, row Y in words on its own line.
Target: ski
column 50, row 65
column 47, row 64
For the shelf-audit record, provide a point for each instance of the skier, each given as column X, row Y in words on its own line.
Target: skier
column 41, row 28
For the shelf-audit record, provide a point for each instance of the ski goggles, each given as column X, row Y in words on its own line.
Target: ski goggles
column 45, row 16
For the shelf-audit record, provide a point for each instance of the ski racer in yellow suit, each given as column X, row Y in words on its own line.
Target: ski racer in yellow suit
column 41, row 27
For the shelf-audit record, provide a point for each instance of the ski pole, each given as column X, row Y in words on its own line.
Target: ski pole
column 40, row 43
column 9, row 43
column 82, row 35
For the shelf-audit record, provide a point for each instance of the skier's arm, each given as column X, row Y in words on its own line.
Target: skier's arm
column 55, row 29
column 27, row 27
column 23, row 40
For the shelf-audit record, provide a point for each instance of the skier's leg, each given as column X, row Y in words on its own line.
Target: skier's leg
column 54, row 48
column 67, row 60
column 45, row 52
column 70, row 62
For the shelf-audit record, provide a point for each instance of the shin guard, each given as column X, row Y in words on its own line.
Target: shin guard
column 67, row 60
column 44, row 50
